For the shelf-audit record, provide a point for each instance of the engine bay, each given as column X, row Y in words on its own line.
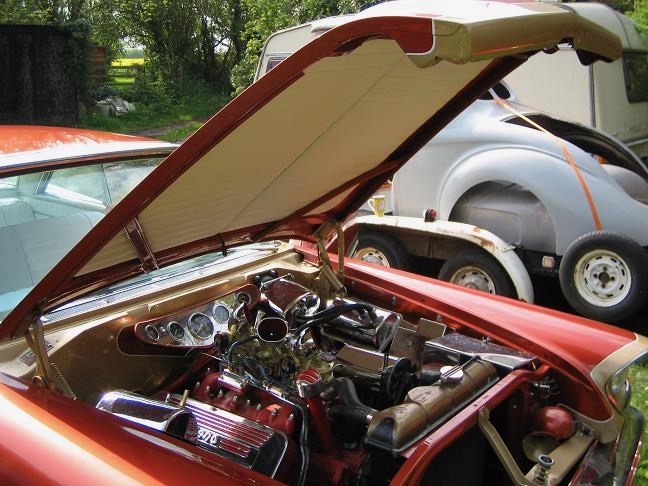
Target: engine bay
column 302, row 385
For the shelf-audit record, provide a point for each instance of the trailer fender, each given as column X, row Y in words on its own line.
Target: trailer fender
column 500, row 250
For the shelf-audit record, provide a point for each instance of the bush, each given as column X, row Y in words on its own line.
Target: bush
column 103, row 92
column 147, row 88
column 155, row 109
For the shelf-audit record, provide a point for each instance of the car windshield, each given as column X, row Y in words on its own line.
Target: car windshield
column 44, row 214
column 184, row 271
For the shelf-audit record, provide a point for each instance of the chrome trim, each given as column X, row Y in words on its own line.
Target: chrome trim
column 194, row 333
column 147, row 330
column 243, row 441
column 163, row 416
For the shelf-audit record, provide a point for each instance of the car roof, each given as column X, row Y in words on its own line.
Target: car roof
column 22, row 145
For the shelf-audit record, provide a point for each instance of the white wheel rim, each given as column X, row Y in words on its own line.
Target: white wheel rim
column 602, row 278
column 473, row 278
column 372, row 255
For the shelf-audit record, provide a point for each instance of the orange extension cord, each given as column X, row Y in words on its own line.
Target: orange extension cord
column 563, row 147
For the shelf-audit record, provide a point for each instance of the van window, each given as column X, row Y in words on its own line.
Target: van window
column 498, row 90
column 635, row 71
column 275, row 59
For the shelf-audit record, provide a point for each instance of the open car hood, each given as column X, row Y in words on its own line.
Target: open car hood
column 314, row 138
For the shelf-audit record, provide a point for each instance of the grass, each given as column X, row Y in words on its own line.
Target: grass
column 129, row 79
column 188, row 111
column 180, row 133
column 639, row 377
column 118, row 80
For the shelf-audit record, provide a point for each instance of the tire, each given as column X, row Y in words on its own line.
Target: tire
column 381, row 249
column 475, row 269
column 602, row 148
column 604, row 276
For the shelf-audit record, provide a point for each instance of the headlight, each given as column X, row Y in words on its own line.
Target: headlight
column 618, row 389
column 611, row 374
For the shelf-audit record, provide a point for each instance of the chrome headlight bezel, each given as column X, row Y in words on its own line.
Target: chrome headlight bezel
column 618, row 388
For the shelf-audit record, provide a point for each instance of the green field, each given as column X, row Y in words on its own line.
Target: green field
column 122, row 71
column 125, row 61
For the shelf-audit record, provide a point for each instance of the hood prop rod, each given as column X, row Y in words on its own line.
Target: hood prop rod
column 335, row 279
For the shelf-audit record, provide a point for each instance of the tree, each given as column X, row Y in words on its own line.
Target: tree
column 42, row 11
column 213, row 41
column 183, row 39
column 640, row 15
column 265, row 17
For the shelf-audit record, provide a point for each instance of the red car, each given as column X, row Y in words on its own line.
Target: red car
column 176, row 343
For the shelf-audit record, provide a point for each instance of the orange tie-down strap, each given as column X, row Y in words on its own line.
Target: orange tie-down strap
column 561, row 143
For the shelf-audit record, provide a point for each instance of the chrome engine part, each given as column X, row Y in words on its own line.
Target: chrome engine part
column 459, row 348
column 248, row 443
column 286, row 297
column 167, row 417
column 369, row 326
column 227, row 434
column 340, row 320
column 425, row 407
column 295, row 385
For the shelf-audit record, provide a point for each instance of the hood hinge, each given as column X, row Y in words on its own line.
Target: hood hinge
column 141, row 245
column 335, row 280
column 36, row 341
column 47, row 374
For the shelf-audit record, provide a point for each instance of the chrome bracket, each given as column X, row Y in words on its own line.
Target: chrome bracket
column 321, row 235
column 138, row 239
column 36, row 342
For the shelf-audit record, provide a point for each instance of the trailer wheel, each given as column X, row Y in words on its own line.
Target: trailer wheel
column 381, row 249
column 604, row 276
column 476, row 269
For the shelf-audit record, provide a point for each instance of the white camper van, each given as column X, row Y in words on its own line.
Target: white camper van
column 610, row 96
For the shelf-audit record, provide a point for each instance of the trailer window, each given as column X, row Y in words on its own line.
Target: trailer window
column 275, row 59
column 635, row 70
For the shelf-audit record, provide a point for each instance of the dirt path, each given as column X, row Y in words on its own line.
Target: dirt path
column 156, row 132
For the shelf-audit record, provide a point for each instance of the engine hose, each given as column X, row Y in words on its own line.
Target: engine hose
column 340, row 309
column 352, row 406
column 253, row 369
column 236, row 344
column 303, row 433
column 330, row 313
column 303, row 444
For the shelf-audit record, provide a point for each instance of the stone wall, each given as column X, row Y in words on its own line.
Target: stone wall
column 37, row 84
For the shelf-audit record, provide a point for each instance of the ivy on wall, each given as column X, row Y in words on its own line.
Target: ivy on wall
column 44, row 76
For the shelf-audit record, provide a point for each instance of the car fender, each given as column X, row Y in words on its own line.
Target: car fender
column 500, row 250
column 583, row 136
column 549, row 177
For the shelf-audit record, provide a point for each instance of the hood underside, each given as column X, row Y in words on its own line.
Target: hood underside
column 314, row 138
